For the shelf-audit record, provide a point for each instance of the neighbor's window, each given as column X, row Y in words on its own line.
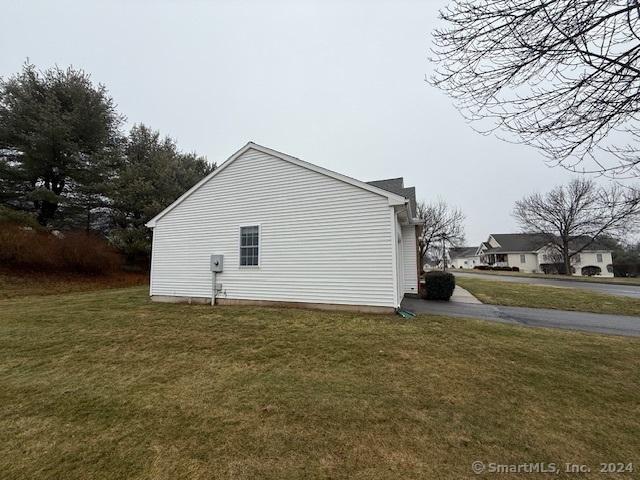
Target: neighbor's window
column 250, row 246
column 523, row 259
column 599, row 257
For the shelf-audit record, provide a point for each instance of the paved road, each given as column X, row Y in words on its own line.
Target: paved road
column 609, row 289
column 534, row 317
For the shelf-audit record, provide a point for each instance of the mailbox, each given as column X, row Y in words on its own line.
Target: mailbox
column 216, row 263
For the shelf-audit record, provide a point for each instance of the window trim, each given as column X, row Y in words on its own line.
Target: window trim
column 523, row 258
column 599, row 258
column 240, row 227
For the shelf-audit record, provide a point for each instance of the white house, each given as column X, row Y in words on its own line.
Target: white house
column 531, row 253
column 464, row 257
column 290, row 232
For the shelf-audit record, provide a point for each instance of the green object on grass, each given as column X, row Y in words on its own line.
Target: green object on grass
column 405, row 313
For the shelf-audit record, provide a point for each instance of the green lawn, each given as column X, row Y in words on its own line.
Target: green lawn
column 106, row 385
column 612, row 280
column 523, row 295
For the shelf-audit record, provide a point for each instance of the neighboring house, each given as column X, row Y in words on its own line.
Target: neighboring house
column 532, row 253
column 463, row 257
column 291, row 233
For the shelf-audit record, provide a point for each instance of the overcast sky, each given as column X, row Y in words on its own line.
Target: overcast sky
column 339, row 84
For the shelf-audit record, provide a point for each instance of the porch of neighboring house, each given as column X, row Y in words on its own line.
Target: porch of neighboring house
column 495, row 259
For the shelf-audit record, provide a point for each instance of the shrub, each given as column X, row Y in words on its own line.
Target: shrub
column 625, row 269
column 75, row 252
column 438, row 285
column 496, row 269
column 591, row 270
column 16, row 217
column 85, row 252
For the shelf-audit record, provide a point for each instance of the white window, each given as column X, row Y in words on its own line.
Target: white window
column 599, row 257
column 576, row 258
column 523, row 259
column 250, row 246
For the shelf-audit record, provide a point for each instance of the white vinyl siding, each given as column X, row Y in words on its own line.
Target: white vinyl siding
column 596, row 259
column 530, row 264
column 321, row 240
column 409, row 259
column 465, row 262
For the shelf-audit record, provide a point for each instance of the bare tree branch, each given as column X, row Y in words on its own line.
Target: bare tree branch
column 560, row 75
column 441, row 223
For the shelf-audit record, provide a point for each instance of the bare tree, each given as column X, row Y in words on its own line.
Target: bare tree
column 576, row 215
column 561, row 75
column 441, row 224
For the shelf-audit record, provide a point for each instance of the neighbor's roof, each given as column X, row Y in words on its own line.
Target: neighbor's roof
column 393, row 197
column 531, row 242
column 485, row 245
column 396, row 185
column 462, row 252
column 518, row 242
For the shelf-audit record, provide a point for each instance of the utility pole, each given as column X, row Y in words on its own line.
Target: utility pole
column 444, row 256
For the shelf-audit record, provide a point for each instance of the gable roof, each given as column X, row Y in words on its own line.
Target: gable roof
column 396, row 185
column 532, row 242
column 462, row 252
column 519, row 242
column 394, row 198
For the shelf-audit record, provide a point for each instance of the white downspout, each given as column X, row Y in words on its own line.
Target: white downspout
column 394, row 256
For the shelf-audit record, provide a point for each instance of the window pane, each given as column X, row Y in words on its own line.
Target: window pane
column 249, row 256
column 249, row 244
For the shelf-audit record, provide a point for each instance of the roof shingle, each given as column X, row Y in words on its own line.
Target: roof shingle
column 396, row 185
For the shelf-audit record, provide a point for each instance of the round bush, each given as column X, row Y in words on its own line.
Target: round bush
column 438, row 285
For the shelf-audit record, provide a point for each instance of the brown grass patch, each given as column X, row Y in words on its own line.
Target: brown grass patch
column 27, row 283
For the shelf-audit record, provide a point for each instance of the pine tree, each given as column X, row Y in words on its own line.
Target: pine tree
column 59, row 143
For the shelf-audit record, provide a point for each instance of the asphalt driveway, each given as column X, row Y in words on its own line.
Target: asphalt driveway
column 607, row 288
column 533, row 317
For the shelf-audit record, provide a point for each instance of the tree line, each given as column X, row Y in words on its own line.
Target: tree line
column 65, row 159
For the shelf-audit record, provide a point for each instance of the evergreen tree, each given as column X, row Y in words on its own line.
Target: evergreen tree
column 59, row 143
column 154, row 174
